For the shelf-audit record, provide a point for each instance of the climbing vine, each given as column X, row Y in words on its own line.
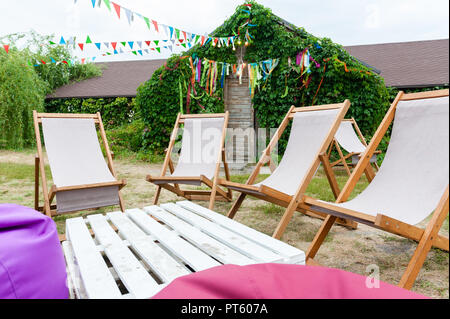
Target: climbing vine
column 329, row 76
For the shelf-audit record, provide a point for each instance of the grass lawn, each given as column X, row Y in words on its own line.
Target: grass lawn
column 344, row 249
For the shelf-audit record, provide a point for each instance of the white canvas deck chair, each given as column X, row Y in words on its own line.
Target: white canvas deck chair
column 312, row 131
column 410, row 184
column 82, row 179
column 202, row 152
column 350, row 138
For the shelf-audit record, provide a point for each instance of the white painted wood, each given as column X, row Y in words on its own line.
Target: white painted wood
column 291, row 254
column 158, row 260
column 237, row 242
column 190, row 254
column 211, row 246
column 97, row 279
column 73, row 279
column 131, row 272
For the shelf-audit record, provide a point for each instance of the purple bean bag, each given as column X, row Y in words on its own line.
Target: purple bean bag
column 31, row 259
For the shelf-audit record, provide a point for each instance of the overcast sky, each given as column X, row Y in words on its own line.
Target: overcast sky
column 348, row 22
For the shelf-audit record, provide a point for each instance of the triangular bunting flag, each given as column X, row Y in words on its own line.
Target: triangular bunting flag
column 139, row 43
column 158, row 49
column 88, row 40
column 131, row 43
column 62, row 41
column 117, row 8
column 146, row 51
column 183, row 45
column 120, row 50
column 171, row 32
column 129, row 15
column 124, row 44
column 93, row 3
column 51, row 42
column 185, row 35
column 98, row 45
column 166, row 29
column 177, row 32
column 170, row 48
column 93, row 58
column 147, row 21
column 197, row 37
column 81, row 45
column 43, row 62
column 140, row 52
column 53, row 60
column 108, row 4
column 155, row 24
column 106, row 44
column 181, row 40
column 114, row 44
column 115, row 52
column 148, row 43
column 134, row 52
column 156, row 42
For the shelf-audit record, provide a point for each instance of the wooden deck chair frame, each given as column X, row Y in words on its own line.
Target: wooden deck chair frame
column 343, row 158
column 216, row 193
column 47, row 208
column 279, row 198
column 426, row 238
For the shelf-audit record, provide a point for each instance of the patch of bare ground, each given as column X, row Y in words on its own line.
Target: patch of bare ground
column 350, row 250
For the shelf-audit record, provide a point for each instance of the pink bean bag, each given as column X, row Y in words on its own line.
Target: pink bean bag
column 278, row 281
column 31, row 259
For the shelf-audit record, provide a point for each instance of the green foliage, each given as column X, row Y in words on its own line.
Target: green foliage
column 159, row 101
column 21, row 91
column 114, row 111
column 344, row 78
column 24, row 84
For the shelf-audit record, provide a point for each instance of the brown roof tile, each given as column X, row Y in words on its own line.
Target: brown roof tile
column 407, row 64
column 118, row 79
column 402, row 65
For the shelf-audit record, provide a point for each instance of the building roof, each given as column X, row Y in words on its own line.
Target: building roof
column 402, row 65
column 119, row 79
column 408, row 64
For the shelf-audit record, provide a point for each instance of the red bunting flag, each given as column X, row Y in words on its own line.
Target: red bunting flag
column 148, row 43
column 81, row 45
column 117, row 8
column 83, row 60
column 6, row 47
column 181, row 40
column 43, row 62
column 203, row 39
column 185, row 36
column 156, row 25
column 114, row 44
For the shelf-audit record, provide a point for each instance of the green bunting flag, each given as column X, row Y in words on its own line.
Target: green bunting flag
column 108, row 4
column 88, row 40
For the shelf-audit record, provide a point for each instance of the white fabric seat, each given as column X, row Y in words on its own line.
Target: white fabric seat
column 415, row 170
column 308, row 132
column 75, row 158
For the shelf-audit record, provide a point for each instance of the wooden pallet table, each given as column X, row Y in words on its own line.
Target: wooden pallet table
column 155, row 245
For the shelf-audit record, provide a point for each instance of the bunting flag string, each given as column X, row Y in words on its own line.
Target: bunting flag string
column 71, row 41
column 170, row 31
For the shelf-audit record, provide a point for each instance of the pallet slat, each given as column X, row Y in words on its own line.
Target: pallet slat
column 131, row 272
column 211, row 246
column 190, row 254
column 160, row 262
column 97, row 279
column 222, row 234
column 291, row 253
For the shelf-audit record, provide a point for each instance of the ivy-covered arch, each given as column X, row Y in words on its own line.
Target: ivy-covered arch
column 334, row 75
